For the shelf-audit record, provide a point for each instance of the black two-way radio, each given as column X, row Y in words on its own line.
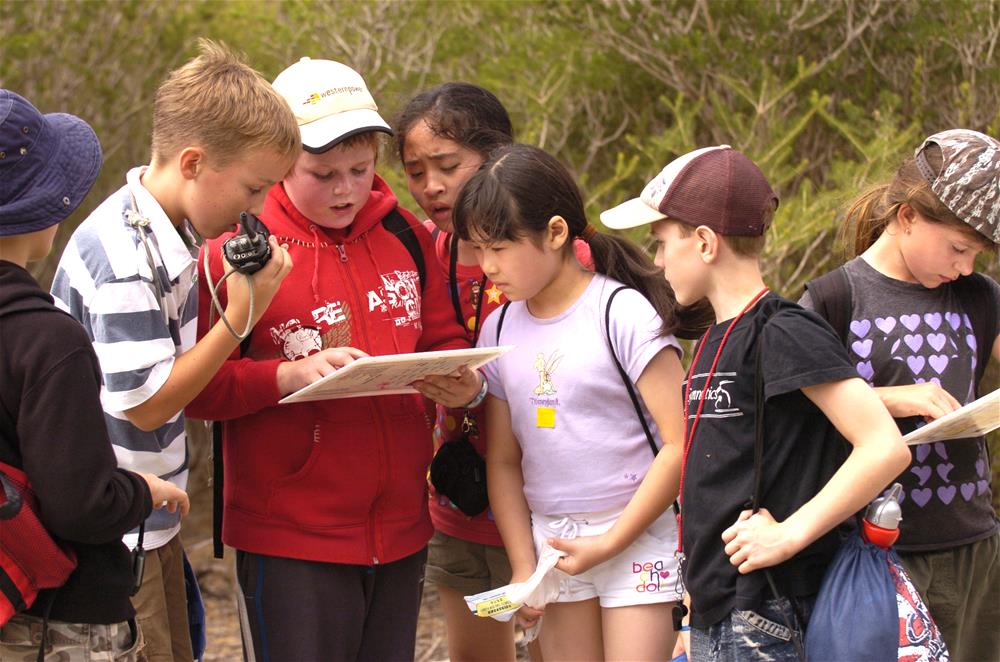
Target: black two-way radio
column 248, row 251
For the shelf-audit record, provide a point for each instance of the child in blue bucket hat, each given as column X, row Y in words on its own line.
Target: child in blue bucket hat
column 51, row 424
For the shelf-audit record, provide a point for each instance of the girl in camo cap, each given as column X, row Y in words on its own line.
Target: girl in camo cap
column 921, row 326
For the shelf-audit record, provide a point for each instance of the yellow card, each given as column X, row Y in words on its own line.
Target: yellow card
column 546, row 417
column 493, row 606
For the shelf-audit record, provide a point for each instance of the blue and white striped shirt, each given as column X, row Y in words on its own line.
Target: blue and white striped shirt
column 105, row 281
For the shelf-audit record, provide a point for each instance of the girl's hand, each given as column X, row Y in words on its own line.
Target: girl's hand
column 582, row 553
column 757, row 541
column 293, row 375
column 454, row 390
column 527, row 617
column 928, row 400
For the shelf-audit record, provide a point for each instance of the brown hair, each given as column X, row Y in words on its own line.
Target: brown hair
column 372, row 139
column 744, row 246
column 520, row 188
column 870, row 213
column 218, row 102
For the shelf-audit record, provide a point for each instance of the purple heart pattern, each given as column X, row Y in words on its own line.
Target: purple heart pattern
column 862, row 347
column 930, row 347
column 922, row 473
column 885, row 324
column 860, row 328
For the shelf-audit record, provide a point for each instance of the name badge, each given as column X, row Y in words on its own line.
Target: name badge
column 545, row 417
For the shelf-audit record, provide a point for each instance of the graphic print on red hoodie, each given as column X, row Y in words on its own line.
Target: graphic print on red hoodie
column 338, row 481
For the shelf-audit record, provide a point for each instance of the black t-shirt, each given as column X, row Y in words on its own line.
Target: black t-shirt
column 801, row 451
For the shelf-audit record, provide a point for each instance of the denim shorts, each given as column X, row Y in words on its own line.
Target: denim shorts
column 762, row 634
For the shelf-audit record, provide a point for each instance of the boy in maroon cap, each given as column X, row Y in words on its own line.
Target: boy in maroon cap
column 709, row 211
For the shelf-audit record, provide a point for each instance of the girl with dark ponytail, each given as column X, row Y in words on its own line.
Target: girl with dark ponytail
column 567, row 447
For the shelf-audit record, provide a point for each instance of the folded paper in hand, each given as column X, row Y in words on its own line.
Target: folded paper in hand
column 392, row 374
column 537, row 591
column 973, row 420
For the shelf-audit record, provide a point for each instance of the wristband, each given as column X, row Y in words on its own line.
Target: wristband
column 684, row 628
column 483, row 390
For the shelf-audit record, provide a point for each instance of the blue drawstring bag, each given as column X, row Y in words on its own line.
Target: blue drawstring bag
column 868, row 610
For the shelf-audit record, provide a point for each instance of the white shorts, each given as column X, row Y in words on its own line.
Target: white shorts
column 644, row 573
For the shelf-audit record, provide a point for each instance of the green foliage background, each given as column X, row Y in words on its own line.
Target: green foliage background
column 827, row 96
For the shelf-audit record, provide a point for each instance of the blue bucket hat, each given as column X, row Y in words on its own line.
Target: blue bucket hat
column 48, row 163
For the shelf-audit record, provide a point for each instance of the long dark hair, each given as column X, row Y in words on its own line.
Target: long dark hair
column 520, row 188
column 465, row 113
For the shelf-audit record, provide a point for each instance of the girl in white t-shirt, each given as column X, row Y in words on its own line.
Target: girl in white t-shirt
column 567, row 449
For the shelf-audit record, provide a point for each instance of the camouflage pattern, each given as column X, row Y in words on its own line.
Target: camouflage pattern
column 969, row 181
column 68, row 642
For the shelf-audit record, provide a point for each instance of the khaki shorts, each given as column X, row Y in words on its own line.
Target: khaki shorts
column 961, row 588
column 69, row 642
column 466, row 567
column 161, row 605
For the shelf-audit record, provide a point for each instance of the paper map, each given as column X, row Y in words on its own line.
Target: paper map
column 392, row 374
column 973, row 420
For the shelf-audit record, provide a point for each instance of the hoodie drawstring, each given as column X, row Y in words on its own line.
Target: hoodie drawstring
column 315, row 275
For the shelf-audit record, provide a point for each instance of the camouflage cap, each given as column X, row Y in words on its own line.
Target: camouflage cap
column 969, row 180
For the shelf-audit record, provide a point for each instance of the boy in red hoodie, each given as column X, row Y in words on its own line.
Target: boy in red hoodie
column 326, row 502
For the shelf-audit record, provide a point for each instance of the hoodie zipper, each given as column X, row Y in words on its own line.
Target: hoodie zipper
column 357, row 299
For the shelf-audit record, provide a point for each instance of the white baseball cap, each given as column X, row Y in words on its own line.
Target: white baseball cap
column 330, row 101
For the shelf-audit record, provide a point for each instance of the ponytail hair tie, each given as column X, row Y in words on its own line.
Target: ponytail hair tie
column 588, row 232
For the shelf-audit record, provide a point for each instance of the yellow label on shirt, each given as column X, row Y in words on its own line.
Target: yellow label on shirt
column 546, row 417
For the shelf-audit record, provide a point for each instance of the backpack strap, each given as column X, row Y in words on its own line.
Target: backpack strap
column 975, row 293
column 624, row 375
column 628, row 384
column 218, row 475
column 503, row 313
column 396, row 224
column 831, row 297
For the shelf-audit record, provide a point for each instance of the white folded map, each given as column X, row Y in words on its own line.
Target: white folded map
column 392, row 373
column 973, row 420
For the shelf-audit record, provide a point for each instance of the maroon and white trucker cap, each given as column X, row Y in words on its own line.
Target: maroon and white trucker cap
column 718, row 187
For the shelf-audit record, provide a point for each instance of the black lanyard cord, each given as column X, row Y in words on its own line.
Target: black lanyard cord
column 453, row 287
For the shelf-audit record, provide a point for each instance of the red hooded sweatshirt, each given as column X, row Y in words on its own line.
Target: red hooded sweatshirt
column 339, row 481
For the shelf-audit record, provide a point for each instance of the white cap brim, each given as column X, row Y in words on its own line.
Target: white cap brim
column 630, row 214
column 322, row 134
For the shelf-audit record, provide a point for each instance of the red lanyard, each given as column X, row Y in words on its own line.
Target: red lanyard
column 689, row 434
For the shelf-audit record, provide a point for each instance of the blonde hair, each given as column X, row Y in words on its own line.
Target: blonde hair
column 218, row 102
column 873, row 210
